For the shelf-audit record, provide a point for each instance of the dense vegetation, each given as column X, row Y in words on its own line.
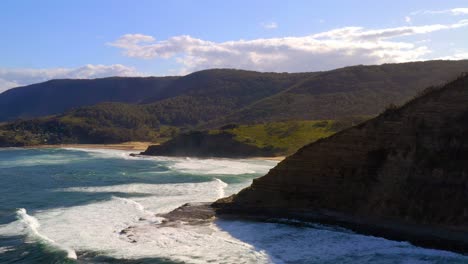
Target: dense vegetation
column 104, row 123
column 58, row 96
column 228, row 89
column 152, row 109
column 350, row 91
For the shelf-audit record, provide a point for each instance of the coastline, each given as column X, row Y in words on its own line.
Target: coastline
column 131, row 145
column 278, row 158
column 427, row 236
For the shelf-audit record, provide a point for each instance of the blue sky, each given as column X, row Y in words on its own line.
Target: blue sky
column 87, row 39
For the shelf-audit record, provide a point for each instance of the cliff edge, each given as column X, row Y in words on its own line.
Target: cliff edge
column 402, row 175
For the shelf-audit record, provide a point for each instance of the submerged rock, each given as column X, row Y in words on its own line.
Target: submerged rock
column 402, row 175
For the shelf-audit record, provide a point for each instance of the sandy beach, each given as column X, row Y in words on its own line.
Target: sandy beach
column 133, row 145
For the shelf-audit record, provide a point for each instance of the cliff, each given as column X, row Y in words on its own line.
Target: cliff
column 402, row 175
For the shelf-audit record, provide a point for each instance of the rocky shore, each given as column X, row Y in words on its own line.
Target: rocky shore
column 419, row 235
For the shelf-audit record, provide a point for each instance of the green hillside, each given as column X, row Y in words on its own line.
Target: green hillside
column 237, row 141
column 226, row 88
column 286, row 136
column 104, row 123
column 59, row 96
column 350, row 91
column 213, row 98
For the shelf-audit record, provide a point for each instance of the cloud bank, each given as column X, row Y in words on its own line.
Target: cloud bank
column 326, row 50
column 10, row 78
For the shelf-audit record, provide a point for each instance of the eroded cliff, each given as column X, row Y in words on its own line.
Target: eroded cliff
column 407, row 169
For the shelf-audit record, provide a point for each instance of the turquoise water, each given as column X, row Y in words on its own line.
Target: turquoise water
column 71, row 205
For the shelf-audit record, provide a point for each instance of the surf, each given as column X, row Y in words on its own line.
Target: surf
column 32, row 225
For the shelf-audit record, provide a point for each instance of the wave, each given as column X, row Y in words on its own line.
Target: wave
column 32, row 225
column 199, row 166
column 221, row 187
column 147, row 213
column 98, row 227
column 105, row 153
column 221, row 166
column 38, row 160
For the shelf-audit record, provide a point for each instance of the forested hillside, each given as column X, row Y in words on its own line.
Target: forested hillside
column 208, row 100
column 58, row 96
column 350, row 91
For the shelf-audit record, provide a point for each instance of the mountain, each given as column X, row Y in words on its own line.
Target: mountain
column 350, row 91
column 402, row 175
column 228, row 89
column 207, row 100
column 58, row 96
column 242, row 87
column 226, row 96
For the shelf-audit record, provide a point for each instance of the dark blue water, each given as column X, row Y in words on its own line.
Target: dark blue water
column 71, row 206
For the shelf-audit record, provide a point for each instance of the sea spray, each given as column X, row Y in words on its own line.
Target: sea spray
column 221, row 187
column 152, row 215
column 32, row 225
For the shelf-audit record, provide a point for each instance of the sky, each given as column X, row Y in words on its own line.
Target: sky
column 50, row 39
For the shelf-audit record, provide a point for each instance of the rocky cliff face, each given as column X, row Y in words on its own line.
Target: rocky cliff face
column 408, row 166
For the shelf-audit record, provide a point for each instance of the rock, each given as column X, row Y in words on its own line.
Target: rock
column 190, row 213
column 402, row 175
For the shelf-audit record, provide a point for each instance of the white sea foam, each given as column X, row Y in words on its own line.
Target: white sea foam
column 105, row 153
column 44, row 159
column 6, row 249
column 32, row 225
column 222, row 166
column 98, row 227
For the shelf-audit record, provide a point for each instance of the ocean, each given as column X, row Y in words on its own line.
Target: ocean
column 72, row 205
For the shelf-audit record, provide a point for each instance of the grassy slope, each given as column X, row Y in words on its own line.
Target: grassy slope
column 287, row 136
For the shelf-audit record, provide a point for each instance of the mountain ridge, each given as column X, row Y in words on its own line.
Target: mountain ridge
column 214, row 98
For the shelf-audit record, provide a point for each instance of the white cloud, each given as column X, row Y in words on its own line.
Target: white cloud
column 5, row 85
column 10, row 78
column 454, row 11
column 326, row 50
column 459, row 11
column 269, row 25
column 456, row 56
column 407, row 19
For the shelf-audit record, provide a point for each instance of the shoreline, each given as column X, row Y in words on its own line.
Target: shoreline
column 132, row 145
column 425, row 236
